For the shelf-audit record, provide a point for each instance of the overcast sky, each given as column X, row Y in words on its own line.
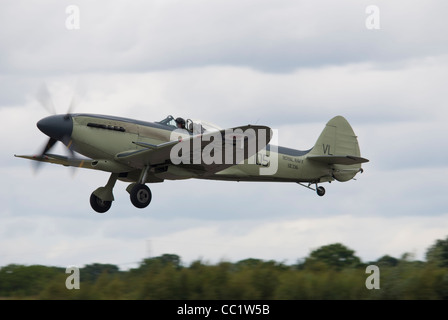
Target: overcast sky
column 291, row 65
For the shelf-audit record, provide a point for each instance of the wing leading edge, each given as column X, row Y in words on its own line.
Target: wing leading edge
column 57, row 159
column 103, row 165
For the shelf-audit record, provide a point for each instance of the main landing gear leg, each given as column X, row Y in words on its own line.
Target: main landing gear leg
column 139, row 193
column 101, row 199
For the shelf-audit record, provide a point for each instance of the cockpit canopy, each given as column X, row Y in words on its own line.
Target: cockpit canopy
column 192, row 126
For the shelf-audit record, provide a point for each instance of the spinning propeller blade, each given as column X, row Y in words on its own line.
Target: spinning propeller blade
column 44, row 97
column 50, row 144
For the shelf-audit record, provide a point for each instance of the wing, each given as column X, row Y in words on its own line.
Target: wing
column 57, row 159
column 103, row 165
column 203, row 154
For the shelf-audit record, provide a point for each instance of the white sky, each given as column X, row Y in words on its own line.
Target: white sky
column 291, row 65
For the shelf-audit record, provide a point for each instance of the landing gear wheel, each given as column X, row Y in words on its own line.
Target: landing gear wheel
column 320, row 191
column 140, row 196
column 99, row 205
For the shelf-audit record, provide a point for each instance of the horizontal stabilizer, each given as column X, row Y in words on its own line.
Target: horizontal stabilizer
column 347, row 160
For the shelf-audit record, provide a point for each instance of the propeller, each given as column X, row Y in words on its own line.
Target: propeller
column 51, row 142
column 44, row 97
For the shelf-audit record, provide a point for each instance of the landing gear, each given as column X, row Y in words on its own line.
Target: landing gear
column 320, row 191
column 101, row 199
column 99, row 205
column 140, row 195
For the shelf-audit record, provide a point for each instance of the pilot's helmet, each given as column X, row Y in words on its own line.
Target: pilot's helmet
column 180, row 122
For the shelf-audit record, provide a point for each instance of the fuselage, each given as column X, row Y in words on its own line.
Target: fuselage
column 142, row 152
column 102, row 137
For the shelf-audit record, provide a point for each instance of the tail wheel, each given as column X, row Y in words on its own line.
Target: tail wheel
column 140, row 196
column 99, row 205
column 320, row 191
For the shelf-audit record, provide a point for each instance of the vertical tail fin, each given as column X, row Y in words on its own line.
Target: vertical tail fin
column 338, row 138
column 338, row 146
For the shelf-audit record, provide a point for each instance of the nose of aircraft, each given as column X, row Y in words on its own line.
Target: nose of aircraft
column 57, row 126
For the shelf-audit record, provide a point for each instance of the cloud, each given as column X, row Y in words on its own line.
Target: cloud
column 292, row 239
column 283, row 240
column 280, row 37
column 290, row 65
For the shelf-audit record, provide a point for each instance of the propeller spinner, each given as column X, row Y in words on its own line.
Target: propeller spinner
column 58, row 128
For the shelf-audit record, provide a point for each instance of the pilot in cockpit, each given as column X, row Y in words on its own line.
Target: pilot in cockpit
column 180, row 122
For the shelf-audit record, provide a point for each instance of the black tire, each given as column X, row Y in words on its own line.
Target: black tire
column 140, row 196
column 320, row 191
column 99, row 205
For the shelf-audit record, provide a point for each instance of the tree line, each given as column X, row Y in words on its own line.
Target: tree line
column 329, row 272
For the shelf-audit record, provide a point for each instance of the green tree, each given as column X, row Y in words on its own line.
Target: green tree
column 157, row 263
column 438, row 253
column 250, row 262
column 25, row 281
column 334, row 256
column 91, row 272
column 386, row 261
